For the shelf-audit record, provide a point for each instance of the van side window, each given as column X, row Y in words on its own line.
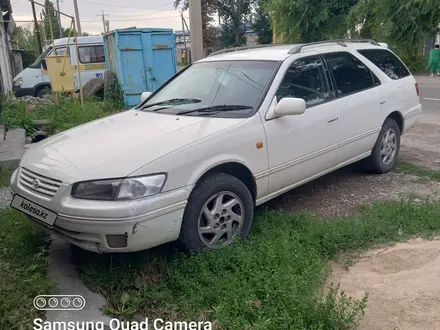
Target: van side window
column 305, row 79
column 350, row 73
column 60, row 51
column 91, row 54
column 385, row 60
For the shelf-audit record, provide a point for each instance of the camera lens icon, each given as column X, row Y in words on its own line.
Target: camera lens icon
column 59, row 302
column 40, row 302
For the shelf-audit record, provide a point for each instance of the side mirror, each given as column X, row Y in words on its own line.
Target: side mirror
column 290, row 107
column 145, row 95
column 44, row 64
column 383, row 44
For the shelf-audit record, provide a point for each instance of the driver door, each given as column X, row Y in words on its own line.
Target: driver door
column 300, row 147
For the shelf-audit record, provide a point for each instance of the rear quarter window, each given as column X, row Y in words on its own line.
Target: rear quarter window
column 385, row 60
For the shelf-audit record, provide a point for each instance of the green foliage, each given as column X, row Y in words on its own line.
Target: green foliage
column 273, row 280
column 24, row 262
column 262, row 24
column 418, row 171
column 50, row 17
column 310, row 20
column 5, row 176
column 69, row 113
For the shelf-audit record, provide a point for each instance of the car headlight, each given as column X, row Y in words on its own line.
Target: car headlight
column 18, row 82
column 119, row 189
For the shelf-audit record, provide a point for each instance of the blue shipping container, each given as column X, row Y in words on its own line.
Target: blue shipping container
column 142, row 59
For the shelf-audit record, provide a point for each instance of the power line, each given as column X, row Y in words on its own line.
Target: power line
column 116, row 6
column 142, row 19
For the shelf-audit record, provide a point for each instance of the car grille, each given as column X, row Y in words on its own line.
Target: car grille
column 39, row 184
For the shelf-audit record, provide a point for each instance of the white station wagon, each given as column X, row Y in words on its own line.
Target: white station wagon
column 226, row 134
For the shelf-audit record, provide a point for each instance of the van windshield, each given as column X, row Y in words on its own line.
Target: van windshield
column 222, row 86
column 37, row 63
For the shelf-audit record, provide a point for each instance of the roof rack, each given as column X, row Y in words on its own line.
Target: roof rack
column 234, row 49
column 341, row 42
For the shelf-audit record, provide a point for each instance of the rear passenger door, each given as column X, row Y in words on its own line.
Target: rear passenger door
column 92, row 63
column 400, row 93
column 358, row 102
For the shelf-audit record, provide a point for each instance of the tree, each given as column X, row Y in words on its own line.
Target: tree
column 24, row 39
column 235, row 14
column 208, row 9
column 50, row 16
column 262, row 24
column 310, row 20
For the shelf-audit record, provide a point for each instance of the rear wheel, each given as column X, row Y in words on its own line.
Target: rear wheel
column 94, row 88
column 386, row 150
column 220, row 209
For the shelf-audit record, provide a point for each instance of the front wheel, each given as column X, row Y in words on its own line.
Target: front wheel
column 220, row 209
column 386, row 150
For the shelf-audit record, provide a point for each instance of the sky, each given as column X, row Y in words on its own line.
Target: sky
column 121, row 14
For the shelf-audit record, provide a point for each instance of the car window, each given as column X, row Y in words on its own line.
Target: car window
column 350, row 73
column 91, row 54
column 217, row 83
column 385, row 60
column 305, row 79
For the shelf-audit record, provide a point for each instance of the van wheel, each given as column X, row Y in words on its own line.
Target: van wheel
column 386, row 150
column 94, row 88
column 45, row 90
column 220, row 209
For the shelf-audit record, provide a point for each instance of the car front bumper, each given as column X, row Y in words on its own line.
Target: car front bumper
column 110, row 226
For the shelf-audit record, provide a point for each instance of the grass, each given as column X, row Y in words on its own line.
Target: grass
column 5, row 176
column 273, row 280
column 63, row 116
column 24, row 263
column 417, row 170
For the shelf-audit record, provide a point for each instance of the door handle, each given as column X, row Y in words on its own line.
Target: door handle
column 332, row 119
column 383, row 102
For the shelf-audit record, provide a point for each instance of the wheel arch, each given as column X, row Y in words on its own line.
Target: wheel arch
column 38, row 87
column 236, row 169
column 398, row 118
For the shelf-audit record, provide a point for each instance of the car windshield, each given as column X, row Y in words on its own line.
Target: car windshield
column 37, row 63
column 234, row 88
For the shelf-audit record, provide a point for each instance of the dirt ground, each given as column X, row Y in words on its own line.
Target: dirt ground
column 403, row 286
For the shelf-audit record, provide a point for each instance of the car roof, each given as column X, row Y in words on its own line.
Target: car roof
column 80, row 40
column 281, row 52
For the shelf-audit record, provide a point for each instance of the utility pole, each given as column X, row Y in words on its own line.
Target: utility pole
column 184, row 36
column 37, row 30
column 195, row 16
column 59, row 19
column 78, row 23
column 103, row 21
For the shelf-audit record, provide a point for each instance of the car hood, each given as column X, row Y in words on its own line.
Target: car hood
column 117, row 145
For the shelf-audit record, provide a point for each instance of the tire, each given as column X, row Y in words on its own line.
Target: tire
column 110, row 85
column 379, row 163
column 94, row 88
column 197, row 233
column 45, row 90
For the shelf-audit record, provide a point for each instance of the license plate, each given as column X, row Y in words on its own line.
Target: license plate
column 34, row 210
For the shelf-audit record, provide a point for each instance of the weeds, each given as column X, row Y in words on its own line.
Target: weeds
column 24, row 262
column 69, row 113
column 5, row 176
column 273, row 280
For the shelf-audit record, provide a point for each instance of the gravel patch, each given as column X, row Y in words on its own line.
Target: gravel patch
column 345, row 191
column 421, row 145
column 5, row 198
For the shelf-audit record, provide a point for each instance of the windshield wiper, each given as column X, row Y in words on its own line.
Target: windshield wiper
column 170, row 101
column 216, row 109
